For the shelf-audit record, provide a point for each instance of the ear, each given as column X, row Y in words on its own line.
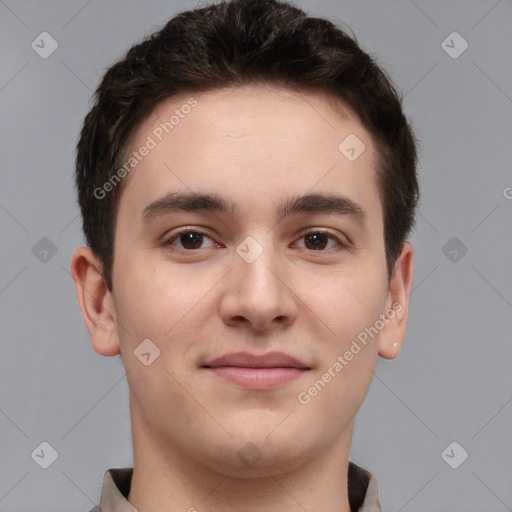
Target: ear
column 397, row 304
column 96, row 302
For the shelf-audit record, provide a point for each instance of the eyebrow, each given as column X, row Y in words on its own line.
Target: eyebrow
column 215, row 203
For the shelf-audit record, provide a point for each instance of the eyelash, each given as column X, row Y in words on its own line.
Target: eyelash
column 183, row 231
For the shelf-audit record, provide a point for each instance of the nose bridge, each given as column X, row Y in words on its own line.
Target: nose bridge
column 258, row 292
column 253, row 262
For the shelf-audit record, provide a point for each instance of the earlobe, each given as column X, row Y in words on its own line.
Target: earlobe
column 393, row 335
column 95, row 301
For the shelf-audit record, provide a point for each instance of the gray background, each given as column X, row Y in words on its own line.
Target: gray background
column 452, row 381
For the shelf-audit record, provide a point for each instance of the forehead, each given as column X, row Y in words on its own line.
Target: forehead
column 257, row 141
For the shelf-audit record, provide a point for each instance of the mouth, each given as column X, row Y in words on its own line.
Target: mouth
column 257, row 371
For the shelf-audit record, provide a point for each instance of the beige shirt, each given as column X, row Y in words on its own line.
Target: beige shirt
column 362, row 490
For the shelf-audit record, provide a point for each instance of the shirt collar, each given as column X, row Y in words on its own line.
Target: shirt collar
column 362, row 489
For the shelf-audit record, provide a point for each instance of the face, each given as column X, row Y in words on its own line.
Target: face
column 249, row 268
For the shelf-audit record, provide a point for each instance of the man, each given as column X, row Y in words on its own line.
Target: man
column 247, row 181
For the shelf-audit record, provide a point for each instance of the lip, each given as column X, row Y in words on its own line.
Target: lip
column 257, row 378
column 257, row 371
column 247, row 360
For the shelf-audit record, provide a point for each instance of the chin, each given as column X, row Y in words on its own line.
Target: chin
column 261, row 465
column 259, row 456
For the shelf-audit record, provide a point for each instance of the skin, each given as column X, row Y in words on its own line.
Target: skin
column 257, row 146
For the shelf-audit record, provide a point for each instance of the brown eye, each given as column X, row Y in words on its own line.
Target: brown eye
column 191, row 240
column 318, row 240
column 188, row 239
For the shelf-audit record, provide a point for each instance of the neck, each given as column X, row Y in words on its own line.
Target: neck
column 166, row 478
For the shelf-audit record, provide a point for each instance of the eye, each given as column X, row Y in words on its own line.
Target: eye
column 317, row 240
column 191, row 239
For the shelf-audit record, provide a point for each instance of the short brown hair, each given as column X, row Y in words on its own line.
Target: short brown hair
column 237, row 43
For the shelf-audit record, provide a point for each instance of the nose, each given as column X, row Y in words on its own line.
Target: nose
column 259, row 293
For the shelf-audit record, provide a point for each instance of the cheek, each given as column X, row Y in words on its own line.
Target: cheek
column 348, row 351
column 350, row 306
column 345, row 302
column 160, row 302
